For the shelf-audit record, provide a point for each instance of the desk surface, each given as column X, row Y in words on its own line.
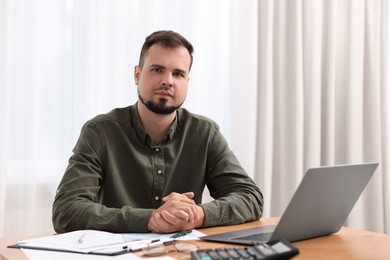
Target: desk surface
column 348, row 243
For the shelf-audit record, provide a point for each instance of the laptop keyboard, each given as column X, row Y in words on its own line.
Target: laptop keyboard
column 261, row 237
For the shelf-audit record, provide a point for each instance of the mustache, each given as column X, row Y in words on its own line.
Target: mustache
column 165, row 88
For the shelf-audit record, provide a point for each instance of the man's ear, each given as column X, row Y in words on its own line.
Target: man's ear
column 137, row 74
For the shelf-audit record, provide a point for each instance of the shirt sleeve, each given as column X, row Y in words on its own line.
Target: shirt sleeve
column 237, row 198
column 77, row 206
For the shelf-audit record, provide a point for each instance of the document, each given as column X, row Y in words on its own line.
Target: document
column 101, row 242
column 81, row 241
column 193, row 235
column 50, row 255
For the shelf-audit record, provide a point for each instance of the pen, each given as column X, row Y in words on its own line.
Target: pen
column 181, row 233
column 141, row 245
column 81, row 238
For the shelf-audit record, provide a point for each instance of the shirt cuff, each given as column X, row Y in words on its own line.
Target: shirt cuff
column 211, row 214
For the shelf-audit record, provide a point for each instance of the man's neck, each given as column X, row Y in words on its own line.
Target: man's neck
column 156, row 125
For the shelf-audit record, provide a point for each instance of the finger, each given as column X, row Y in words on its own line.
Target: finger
column 169, row 223
column 174, row 218
column 159, row 224
column 195, row 215
column 185, row 207
column 176, row 223
column 181, row 207
column 171, row 195
column 188, row 195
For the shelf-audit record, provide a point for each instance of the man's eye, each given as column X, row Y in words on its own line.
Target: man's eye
column 156, row 69
column 179, row 74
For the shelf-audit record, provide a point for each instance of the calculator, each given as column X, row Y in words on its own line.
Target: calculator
column 278, row 249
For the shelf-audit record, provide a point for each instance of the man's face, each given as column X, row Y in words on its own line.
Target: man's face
column 163, row 80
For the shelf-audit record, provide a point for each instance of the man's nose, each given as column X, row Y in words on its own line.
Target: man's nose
column 167, row 79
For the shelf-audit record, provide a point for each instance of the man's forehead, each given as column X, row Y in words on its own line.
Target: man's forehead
column 157, row 52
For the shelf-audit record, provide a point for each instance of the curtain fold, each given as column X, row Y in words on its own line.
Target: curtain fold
column 3, row 115
column 3, row 141
column 323, row 98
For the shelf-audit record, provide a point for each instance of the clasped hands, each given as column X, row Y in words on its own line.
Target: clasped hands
column 179, row 212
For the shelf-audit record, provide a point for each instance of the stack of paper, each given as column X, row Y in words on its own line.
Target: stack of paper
column 102, row 243
column 82, row 241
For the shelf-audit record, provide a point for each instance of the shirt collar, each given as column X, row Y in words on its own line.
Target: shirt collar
column 142, row 134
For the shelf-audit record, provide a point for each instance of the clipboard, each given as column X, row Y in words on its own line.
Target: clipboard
column 108, row 253
column 103, row 243
column 93, row 242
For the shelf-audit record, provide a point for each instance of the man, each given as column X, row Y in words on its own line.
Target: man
column 143, row 168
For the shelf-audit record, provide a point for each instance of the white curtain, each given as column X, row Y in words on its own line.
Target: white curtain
column 324, row 98
column 63, row 62
column 293, row 84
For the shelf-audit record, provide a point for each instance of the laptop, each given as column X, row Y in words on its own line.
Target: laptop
column 319, row 207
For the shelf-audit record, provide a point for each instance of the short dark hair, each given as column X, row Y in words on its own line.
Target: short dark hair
column 168, row 39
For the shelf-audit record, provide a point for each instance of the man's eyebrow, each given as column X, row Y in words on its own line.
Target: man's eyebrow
column 162, row 67
column 156, row 66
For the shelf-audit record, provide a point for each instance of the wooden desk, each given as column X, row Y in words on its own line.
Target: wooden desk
column 348, row 243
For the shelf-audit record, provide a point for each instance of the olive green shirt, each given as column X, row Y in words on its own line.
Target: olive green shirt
column 116, row 176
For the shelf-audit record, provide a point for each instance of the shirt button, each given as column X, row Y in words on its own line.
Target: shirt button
column 157, row 198
column 159, row 172
column 157, row 149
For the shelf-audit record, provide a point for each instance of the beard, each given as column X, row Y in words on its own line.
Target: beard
column 159, row 107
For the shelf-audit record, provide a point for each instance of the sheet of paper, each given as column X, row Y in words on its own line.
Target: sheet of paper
column 194, row 235
column 91, row 240
column 33, row 254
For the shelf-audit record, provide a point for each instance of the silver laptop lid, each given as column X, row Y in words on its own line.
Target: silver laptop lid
column 323, row 201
